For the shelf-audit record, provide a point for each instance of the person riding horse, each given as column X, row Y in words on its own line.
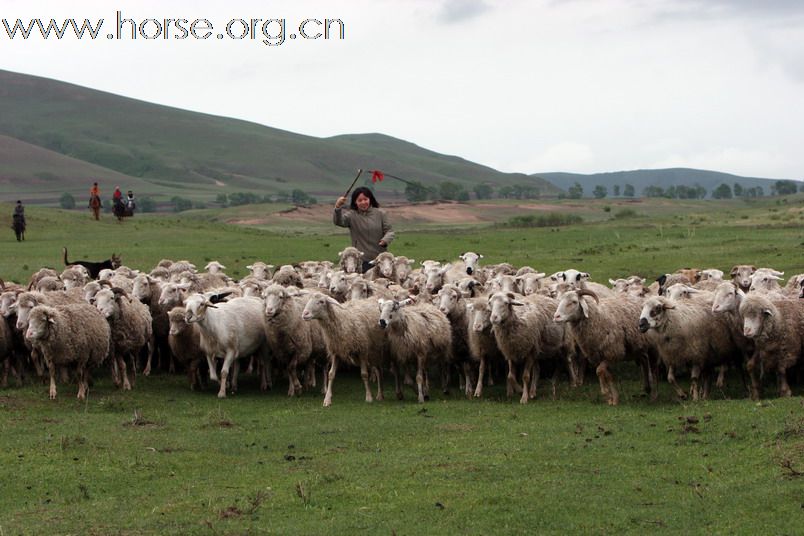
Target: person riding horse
column 95, row 200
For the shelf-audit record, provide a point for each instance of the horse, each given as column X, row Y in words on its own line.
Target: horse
column 95, row 205
column 121, row 210
column 19, row 226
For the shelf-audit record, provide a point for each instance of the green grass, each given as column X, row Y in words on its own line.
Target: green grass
column 164, row 460
column 186, row 462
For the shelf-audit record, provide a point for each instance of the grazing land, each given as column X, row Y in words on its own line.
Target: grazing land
column 163, row 459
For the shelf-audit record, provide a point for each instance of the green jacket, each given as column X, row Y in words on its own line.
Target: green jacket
column 367, row 229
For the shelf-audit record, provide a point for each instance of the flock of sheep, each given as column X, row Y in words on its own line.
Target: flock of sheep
column 304, row 321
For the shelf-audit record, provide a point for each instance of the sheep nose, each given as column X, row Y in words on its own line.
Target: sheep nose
column 383, row 323
column 643, row 325
column 557, row 317
column 469, row 270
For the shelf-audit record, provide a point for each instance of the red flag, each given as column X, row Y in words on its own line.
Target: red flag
column 377, row 175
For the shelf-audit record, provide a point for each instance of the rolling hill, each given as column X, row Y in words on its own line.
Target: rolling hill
column 58, row 137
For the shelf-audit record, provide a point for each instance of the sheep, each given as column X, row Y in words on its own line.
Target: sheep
column 28, row 300
column 351, row 260
column 472, row 264
column 403, row 267
column 287, row 276
column 160, row 274
column 692, row 274
column 482, row 344
column 147, row 290
column 292, row 342
column 75, row 276
column 741, row 274
column 233, row 329
column 726, row 302
column 777, row 328
column 185, row 344
column 251, row 286
column 416, row 334
column 686, row 333
column 382, row 266
column 712, row 274
column 179, row 267
column 361, row 289
column 605, row 332
column 680, row 291
column 667, row 280
column 791, row 289
column 575, row 280
column 132, row 331
column 632, row 286
column 7, row 352
column 351, row 334
column 451, row 303
column 69, row 335
column 531, row 282
column 525, row 333
column 339, row 284
column 260, row 270
column 49, row 284
column 39, row 274
column 214, row 267
column 470, row 287
column 766, row 281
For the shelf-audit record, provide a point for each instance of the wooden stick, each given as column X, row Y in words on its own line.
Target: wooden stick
column 359, row 172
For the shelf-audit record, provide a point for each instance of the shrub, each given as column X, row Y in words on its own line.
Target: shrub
column 625, row 213
column 67, row 201
column 544, row 220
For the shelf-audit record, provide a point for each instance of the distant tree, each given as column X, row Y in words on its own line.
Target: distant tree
column 243, row 198
column 222, row 200
column 628, row 190
column 616, row 190
column 600, row 191
column 723, row 191
column 67, row 201
column 282, row 196
column 448, row 191
column 416, row 192
column 180, row 204
column 575, row 191
column 755, row 191
column 483, row 191
column 653, row 191
column 299, row 197
column 146, row 204
column 506, row 191
column 463, row 195
column 671, row 192
column 785, row 187
column 738, row 189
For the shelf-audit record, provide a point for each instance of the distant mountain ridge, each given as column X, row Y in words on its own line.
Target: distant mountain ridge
column 80, row 135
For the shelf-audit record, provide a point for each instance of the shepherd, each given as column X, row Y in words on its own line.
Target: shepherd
column 18, row 219
column 95, row 200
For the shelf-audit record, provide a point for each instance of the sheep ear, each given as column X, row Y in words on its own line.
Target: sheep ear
column 668, row 306
column 381, row 302
column 445, row 268
column 584, row 307
column 250, row 267
column 480, row 256
column 51, row 320
column 612, row 282
column 332, row 300
column 470, row 306
column 767, row 312
column 406, row 301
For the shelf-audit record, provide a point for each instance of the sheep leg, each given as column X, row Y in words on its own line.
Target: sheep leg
column 228, row 360
column 534, row 382
column 52, row 371
column 554, row 384
column 480, row 373
column 671, row 379
column 309, row 374
column 378, row 374
column 611, row 386
column 121, row 365
column 756, row 384
column 151, row 345
column 695, row 392
column 397, row 384
column 364, row 375
column 650, row 375
column 721, row 376
column 82, row 383
column 781, row 377
column 420, row 379
column 601, row 378
column 526, row 374
column 707, row 383
column 467, row 372
column 213, row 369
column 6, row 368
column 333, row 368
column 511, row 380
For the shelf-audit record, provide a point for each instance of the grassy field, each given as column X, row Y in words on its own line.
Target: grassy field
column 165, row 460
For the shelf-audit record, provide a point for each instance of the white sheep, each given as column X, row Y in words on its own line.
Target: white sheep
column 416, row 334
column 292, row 342
column 132, row 331
column 525, row 333
column 686, row 333
column 184, row 340
column 482, row 344
column 352, row 335
column 231, row 329
column 351, row 260
column 777, row 328
column 606, row 333
column 74, row 335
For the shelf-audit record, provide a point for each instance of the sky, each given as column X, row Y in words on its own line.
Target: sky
column 527, row 86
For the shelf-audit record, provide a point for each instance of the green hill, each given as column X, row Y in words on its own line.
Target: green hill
column 57, row 137
column 663, row 178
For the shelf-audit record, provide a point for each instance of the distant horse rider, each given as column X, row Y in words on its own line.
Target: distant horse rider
column 95, row 200
column 130, row 205
column 19, row 221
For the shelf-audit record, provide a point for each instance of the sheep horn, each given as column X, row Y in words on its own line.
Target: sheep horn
column 587, row 292
column 105, row 283
column 119, row 292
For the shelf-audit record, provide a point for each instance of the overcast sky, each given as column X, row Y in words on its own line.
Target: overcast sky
column 519, row 85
